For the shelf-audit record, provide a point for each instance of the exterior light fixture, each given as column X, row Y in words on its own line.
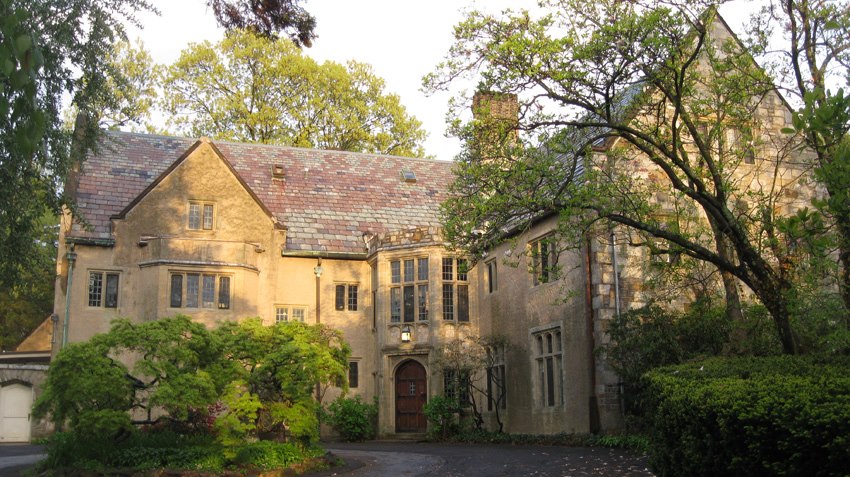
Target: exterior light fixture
column 406, row 334
column 318, row 271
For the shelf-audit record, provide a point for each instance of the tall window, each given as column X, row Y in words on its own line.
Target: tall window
column 456, row 385
column 492, row 276
column 201, row 216
column 496, row 383
column 353, row 374
column 346, row 296
column 200, row 290
column 409, row 290
column 544, row 260
column 284, row 313
column 103, row 289
column 550, row 385
column 455, row 289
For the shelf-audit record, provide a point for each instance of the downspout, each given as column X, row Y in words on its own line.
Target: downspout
column 593, row 402
column 318, row 271
column 72, row 258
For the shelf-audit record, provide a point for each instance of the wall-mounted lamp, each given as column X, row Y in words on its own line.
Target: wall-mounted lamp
column 406, row 334
column 318, row 271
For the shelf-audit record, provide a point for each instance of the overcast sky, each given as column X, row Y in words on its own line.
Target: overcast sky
column 402, row 40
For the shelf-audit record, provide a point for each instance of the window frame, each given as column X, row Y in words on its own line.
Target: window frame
column 349, row 299
column 547, row 347
column 409, row 289
column 454, row 272
column 201, row 218
column 103, row 298
column 492, row 276
column 543, row 266
column 289, row 313
column 219, row 297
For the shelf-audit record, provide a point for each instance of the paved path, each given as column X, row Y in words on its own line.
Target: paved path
column 387, row 459
column 16, row 457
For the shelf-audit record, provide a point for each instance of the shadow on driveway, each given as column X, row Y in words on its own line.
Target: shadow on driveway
column 455, row 460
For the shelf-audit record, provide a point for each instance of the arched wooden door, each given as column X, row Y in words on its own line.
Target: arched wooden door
column 410, row 396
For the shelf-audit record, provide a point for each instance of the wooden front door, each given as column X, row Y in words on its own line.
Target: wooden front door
column 410, row 396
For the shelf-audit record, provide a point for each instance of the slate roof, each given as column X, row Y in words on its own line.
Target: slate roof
column 328, row 208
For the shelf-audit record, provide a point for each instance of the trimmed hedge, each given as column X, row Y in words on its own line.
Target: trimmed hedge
column 784, row 416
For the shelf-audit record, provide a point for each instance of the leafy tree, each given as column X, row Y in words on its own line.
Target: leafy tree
column 256, row 89
column 49, row 50
column 805, row 45
column 678, row 111
column 472, row 362
column 267, row 17
column 280, row 367
column 25, row 304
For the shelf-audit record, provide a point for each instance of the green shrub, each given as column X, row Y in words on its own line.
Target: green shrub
column 442, row 415
column 353, row 418
column 782, row 415
column 273, row 455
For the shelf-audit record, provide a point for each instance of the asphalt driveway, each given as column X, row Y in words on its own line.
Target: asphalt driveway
column 377, row 459
column 16, row 457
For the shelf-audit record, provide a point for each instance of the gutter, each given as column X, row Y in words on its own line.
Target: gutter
column 324, row 254
column 72, row 258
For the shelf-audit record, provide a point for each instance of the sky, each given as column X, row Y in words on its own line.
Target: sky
column 402, row 39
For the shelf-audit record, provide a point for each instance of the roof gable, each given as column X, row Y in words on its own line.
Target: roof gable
column 326, row 199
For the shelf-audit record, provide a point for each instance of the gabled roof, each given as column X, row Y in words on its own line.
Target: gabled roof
column 327, row 199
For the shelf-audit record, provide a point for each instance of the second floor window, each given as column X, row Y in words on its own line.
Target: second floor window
column 543, row 256
column 346, row 296
column 455, row 289
column 103, row 289
column 200, row 290
column 201, row 216
column 409, row 293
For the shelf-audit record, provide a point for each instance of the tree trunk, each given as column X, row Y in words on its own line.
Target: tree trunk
column 775, row 300
column 844, row 258
column 734, row 314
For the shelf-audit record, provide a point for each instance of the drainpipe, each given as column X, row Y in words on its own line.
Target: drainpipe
column 616, row 274
column 318, row 271
column 72, row 258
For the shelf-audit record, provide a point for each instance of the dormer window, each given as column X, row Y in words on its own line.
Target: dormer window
column 201, row 216
column 408, row 176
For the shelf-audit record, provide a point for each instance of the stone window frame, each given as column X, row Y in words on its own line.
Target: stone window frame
column 346, row 296
column 98, row 292
column 221, row 292
column 548, row 355
column 454, row 273
column 354, row 373
column 410, row 285
column 497, row 378
column 201, row 222
column 492, row 276
column 542, row 253
column 284, row 313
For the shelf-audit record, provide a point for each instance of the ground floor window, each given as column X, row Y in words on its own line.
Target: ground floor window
column 284, row 313
column 456, row 385
column 549, row 361
column 200, row 290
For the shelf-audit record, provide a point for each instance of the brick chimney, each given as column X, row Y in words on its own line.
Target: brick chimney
column 497, row 119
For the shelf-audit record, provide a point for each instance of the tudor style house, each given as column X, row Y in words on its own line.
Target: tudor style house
column 223, row 231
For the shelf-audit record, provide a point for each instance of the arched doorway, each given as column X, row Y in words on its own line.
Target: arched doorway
column 410, row 395
column 15, row 405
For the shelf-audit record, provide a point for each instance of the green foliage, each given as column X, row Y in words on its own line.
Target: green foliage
column 50, row 51
column 442, row 414
column 273, row 455
column 87, row 389
column 751, row 416
column 243, row 380
column 354, row 419
column 279, row 367
column 24, row 304
column 256, row 89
